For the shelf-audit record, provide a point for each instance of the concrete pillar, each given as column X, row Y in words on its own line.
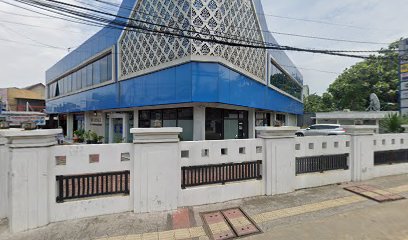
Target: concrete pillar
column 156, row 169
column 126, row 130
column 279, row 165
column 251, row 123
column 199, row 123
column 4, row 169
column 110, row 129
column 87, row 120
column 29, row 152
column 361, row 151
column 70, row 125
column 135, row 118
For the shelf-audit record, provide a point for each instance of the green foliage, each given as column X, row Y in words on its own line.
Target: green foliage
column 80, row 135
column 352, row 89
column 316, row 103
column 393, row 123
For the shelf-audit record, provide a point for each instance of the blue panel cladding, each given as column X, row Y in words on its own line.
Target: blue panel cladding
column 190, row 82
column 214, row 82
column 95, row 99
column 104, row 39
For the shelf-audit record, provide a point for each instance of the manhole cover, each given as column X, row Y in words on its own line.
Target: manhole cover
column 229, row 224
column 374, row 193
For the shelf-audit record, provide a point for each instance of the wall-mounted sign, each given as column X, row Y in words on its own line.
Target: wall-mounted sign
column 404, row 86
column 404, row 68
column 17, row 120
column 96, row 120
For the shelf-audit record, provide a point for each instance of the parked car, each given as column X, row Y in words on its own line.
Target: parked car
column 321, row 130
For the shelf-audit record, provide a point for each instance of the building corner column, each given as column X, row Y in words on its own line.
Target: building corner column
column 251, row 123
column 199, row 123
column 29, row 152
column 156, row 170
column 279, row 164
column 70, row 126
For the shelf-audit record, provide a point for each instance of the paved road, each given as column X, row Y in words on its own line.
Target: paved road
column 385, row 221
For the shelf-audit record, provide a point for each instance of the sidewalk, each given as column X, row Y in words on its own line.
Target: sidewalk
column 321, row 213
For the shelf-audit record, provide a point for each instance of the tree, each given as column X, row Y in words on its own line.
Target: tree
column 316, row 103
column 378, row 74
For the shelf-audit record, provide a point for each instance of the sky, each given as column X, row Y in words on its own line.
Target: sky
column 30, row 44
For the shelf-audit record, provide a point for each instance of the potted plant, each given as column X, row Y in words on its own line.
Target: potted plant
column 93, row 136
column 87, row 137
column 100, row 138
column 79, row 136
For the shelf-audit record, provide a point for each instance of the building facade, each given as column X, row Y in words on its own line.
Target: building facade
column 119, row 79
column 348, row 118
column 29, row 99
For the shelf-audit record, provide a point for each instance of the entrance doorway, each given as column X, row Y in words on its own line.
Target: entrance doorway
column 118, row 127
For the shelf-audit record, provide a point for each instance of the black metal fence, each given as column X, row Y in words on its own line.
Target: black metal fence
column 220, row 174
column 391, row 157
column 321, row 163
column 90, row 185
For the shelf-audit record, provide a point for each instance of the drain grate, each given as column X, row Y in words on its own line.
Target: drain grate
column 374, row 193
column 229, row 224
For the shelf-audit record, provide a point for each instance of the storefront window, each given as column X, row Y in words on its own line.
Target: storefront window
column 226, row 124
column 281, row 119
column 182, row 117
column 262, row 119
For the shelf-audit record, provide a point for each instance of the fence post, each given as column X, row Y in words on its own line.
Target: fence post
column 279, row 165
column 28, row 177
column 4, row 170
column 157, row 169
column 362, row 151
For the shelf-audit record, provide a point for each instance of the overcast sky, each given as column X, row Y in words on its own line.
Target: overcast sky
column 25, row 62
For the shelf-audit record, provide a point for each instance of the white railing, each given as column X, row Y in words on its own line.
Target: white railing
column 219, row 152
column 321, row 145
column 387, row 142
column 326, row 146
column 88, row 159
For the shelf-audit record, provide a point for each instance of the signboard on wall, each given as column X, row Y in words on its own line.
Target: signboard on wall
column 96, row 120
column 18, row 119
column 403, row 63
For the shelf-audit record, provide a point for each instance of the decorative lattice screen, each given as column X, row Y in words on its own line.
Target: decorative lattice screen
column 141, row 51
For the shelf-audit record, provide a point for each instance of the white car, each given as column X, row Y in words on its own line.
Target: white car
column 321, row 130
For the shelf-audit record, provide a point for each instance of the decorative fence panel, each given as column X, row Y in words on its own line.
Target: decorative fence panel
column 220, row 173
column 391, row 157
column 321, row 163
column 91, row 185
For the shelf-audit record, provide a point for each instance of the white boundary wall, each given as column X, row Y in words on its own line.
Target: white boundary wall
column 77, row 163
column 388, row 142
column 28, row 170
column 221, row 193
column 321, row 146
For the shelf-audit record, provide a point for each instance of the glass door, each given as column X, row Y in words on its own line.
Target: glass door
column 118, row 127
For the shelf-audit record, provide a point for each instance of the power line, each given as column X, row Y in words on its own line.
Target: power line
column 255, row 30
column 30, row 44
column 37, row 26
column 25, row 36
column 22, row 15
column 177, row 34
